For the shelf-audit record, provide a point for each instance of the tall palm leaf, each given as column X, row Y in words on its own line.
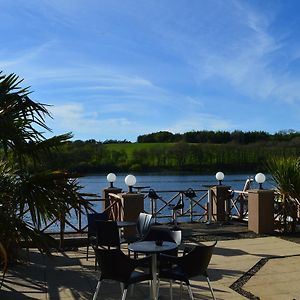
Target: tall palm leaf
column 22, row 121
column 286, row 174
column 29, row 198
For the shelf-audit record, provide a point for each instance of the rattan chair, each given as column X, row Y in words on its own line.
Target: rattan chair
column 92, row 231
column 192, row 264
column 143, row 224
column 115, row 265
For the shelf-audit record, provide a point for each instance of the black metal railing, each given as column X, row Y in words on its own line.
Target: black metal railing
column 196, row 207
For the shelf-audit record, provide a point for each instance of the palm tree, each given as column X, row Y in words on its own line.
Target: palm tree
column 286, row 174
column 29, row 198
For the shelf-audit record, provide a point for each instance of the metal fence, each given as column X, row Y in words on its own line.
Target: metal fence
column 194, row 207
column 169, row 206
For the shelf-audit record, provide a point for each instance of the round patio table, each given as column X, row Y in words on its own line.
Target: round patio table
column 150, row 247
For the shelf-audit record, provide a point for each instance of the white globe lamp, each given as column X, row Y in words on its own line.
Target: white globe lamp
column 111, row 178
column 220, row 176
column 260, row 178
column 130, row 181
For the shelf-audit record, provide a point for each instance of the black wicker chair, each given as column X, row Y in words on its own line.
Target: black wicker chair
column 92, row 231
column 143, row 224
column 193, row 263
column 115, row 265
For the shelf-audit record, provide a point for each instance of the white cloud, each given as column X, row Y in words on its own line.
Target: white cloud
column 249, row 68
column 73, row 117
column 157, row 64
column 198, row 121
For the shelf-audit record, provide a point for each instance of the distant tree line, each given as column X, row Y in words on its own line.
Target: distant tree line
column 92, row 157
column 219, row 137
column 94, row 142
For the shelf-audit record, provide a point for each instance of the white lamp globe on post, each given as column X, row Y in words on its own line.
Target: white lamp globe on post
column 260, row 178
column 130, row 181
column 111, row 178
column 220, row 176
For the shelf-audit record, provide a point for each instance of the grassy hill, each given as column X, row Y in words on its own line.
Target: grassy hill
column 90, row 157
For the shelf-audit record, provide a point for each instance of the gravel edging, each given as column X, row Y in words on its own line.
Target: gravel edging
column 238, row 285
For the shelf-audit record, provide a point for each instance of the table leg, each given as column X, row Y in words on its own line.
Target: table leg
column 209, row 207
column 154, row 274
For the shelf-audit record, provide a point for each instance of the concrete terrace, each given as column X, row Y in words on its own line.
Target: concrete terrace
column 67, row 275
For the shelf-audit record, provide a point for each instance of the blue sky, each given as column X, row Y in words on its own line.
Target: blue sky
column 116, row 69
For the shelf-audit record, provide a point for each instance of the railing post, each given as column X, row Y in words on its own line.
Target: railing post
column 154, row 213
column 191, row 209
column 241, row 206
column 220, row 199
column 261, row 211
column 62, row 232
column 133, row 205
column 107, row 202
column 209, row 206
column 79, row 218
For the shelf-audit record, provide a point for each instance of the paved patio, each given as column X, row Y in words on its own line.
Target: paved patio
column 69, row 276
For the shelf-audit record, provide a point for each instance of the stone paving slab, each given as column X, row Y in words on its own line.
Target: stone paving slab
column 69, row 275
column 278, row 279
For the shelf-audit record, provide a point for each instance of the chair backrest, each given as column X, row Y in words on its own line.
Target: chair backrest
column 197, row 260
column 91, row 218
column 143, row 224
column 114, row 264
column 176, row 236
column 107, row 233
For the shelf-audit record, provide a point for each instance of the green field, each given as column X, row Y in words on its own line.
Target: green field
column 90, row 157
column 131, row 148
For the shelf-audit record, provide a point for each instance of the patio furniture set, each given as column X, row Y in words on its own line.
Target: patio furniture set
column 160, row 256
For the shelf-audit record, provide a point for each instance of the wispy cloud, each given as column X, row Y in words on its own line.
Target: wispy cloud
column 126, row 68
column 241, row 53
column 190, row 121
column 249, row 67
column 73, row 117
column 87, row 125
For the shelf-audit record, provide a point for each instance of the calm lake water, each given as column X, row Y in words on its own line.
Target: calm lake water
column 96, row 183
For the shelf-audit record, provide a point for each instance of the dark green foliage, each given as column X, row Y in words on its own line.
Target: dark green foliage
column 219, row 137
column 286, row 174
column 30, row 194
column 159, row 137
column 195, row 157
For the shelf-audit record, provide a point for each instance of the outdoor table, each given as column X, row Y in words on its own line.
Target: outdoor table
column 150, row 247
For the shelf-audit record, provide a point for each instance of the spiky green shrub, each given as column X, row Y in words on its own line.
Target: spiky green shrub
column 29, row 197
column 285, row 172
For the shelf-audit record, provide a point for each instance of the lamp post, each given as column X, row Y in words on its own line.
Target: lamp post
column 220, row 176
column 130, row 181
column 260, row 178
column 111, row 178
